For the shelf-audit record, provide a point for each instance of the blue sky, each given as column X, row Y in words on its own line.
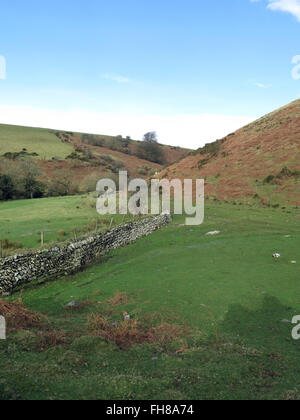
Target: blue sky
column 193, row 70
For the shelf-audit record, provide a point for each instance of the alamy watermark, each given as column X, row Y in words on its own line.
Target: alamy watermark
column 2, row 328
column 138, row 197
column 296, row 329
column 2, row 68
column 296, row 68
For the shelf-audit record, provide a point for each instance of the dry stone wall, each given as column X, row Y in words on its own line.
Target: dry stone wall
column 67, row 259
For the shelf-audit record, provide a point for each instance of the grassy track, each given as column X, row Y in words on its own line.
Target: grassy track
column 227, row 289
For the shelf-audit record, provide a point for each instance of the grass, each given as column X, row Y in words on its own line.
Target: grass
column 35, row 140
column 205, row 317
column 22, row 221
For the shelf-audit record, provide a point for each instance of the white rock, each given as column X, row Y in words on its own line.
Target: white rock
column 72, row 304
column 276, row 255
column 215, row 232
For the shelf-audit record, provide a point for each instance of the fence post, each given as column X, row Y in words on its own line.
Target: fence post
column 42, row 238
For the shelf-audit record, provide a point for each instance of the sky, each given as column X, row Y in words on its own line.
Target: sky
column 192, row 70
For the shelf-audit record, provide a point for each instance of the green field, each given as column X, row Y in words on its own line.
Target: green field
column 35, row 140
column 227, row 291
column 22, row 221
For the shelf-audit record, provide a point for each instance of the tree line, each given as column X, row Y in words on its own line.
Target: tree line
column 22, row 179
column 149, row 149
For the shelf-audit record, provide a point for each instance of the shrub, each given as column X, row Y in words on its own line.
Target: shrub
column 92, row 140
column 116, row 165
column 286, row 172
column 212, row 149
column 151, row 151
column 106, row 159
column 269, row 179
column 7, row 187
column 87, row 154
column 74, row 156
column 146, row 170
column 203, row 162
column 16, row 155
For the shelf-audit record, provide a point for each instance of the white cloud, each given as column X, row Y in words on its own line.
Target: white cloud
column 287, row 6
column 185, row 130
column 115, row 78
column 262, row 85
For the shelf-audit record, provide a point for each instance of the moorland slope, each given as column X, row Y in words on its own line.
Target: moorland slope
column 258, row 163
column 81, row 155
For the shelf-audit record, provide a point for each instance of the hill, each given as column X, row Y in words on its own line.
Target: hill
column 36, row 140
column 258, row 163
column 79, row 156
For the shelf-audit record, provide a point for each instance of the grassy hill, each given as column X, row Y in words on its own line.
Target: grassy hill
column 35, row 140
column 259, row 163
column 54, row 150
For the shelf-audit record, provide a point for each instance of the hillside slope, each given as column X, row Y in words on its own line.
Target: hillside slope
column 78, row 154
column 258, row 163
column 36, row 140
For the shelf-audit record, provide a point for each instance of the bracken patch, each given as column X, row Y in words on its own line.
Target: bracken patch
column 19, row 317
column 50, row 339
column 119, row 299
column 133, row 331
